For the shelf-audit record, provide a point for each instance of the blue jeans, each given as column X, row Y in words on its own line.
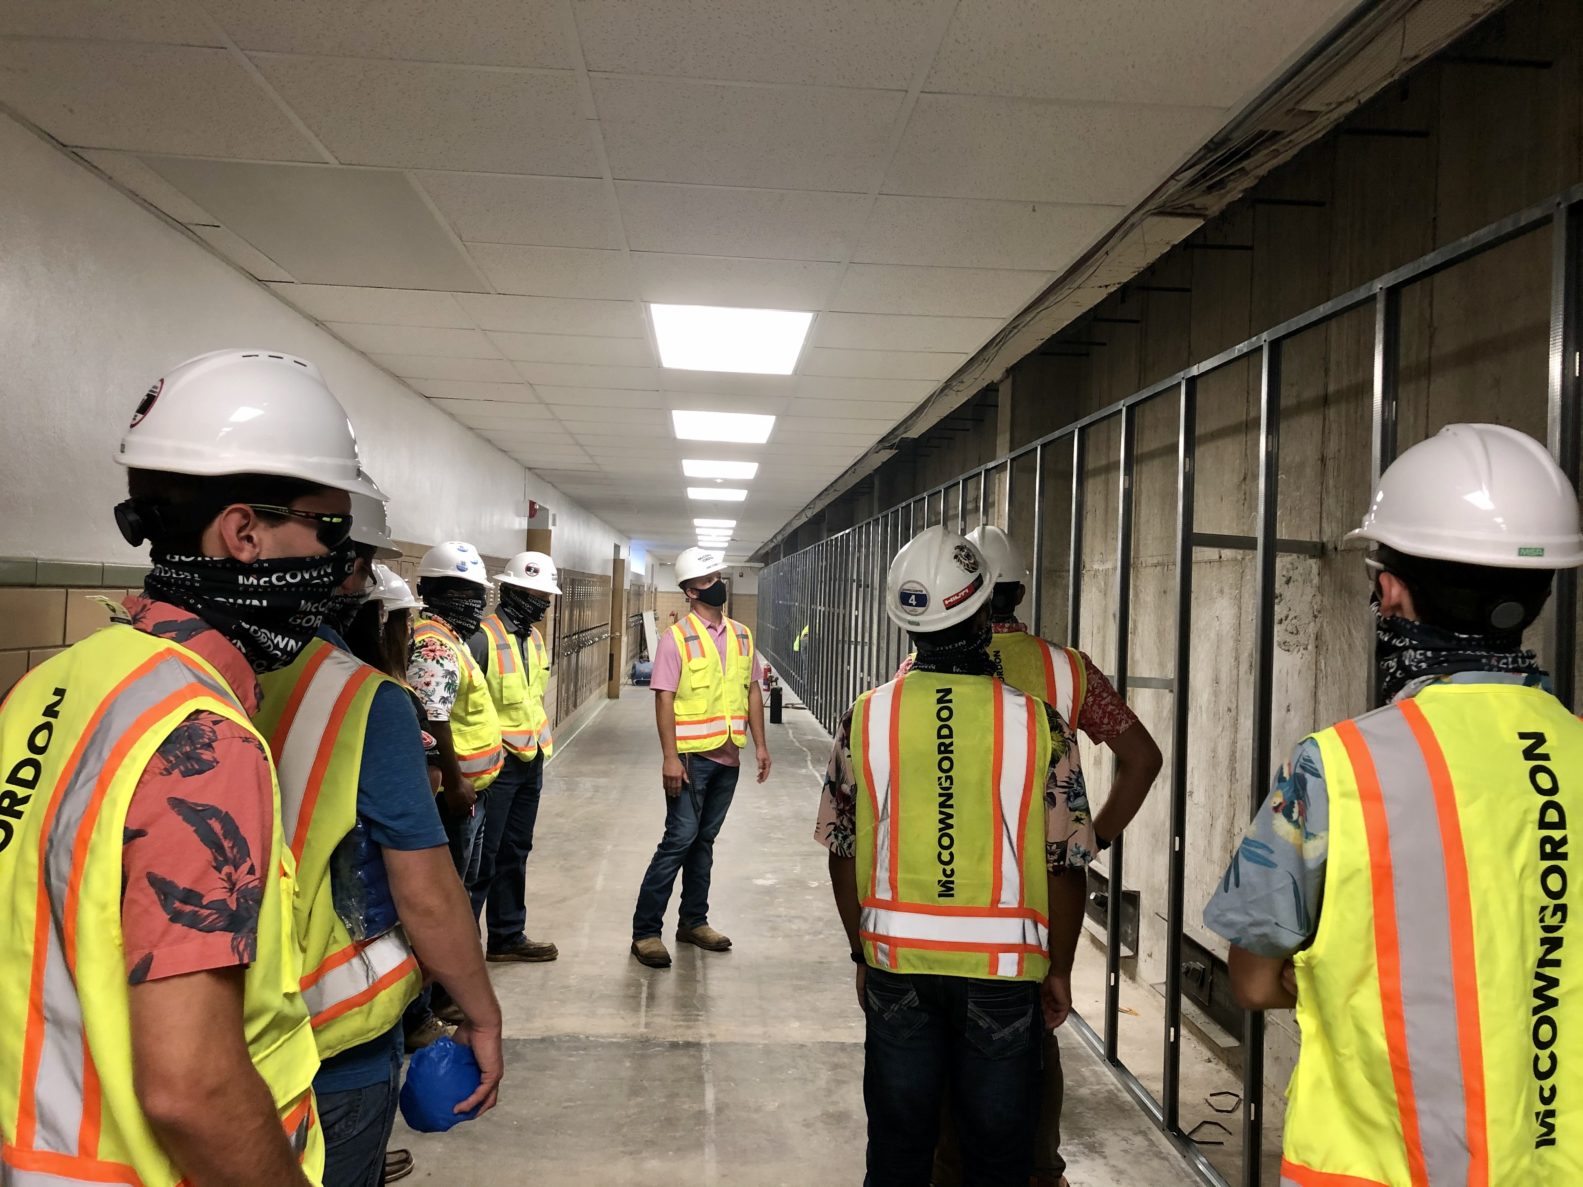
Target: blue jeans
column 357, row 1125
column 511, row 811
column 979, row 1041
column 692, row 822
column 462, row 833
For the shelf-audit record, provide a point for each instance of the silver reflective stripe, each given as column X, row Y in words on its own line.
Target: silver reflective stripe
column 299, row 750
column 876, row 755
column 480, row 766
column 10, row 1176
column 1016, row 757
column 1423, row 927
column 58, row 1090
column 375, row 960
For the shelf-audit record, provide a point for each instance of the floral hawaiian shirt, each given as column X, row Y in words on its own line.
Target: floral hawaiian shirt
column 1068, row 827
column 434, row 677
column 1269, row 898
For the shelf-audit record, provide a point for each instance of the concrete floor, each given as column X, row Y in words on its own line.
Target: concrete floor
column 741, row 1069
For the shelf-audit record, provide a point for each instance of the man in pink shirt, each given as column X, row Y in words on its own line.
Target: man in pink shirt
column 707, row 698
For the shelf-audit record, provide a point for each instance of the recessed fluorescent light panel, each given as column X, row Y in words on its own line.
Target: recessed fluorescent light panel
column 724, row 494
column 716, row 338
column 747, row 428
column 703, row 468
column 714, row 523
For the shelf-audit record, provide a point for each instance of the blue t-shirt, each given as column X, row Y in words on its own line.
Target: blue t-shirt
column 395, row 804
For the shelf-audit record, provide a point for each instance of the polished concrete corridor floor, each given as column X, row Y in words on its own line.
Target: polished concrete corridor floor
column 741, row 1069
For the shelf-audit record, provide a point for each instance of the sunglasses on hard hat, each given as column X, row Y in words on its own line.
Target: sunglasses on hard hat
column 332, row 530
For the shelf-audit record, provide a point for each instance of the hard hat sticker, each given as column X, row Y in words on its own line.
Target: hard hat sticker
column 147, row 403
column 913, row 596
column 1530, row 552
column 962, row 595
column 963, row 556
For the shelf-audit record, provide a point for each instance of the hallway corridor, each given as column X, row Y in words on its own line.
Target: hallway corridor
column 738, row 1070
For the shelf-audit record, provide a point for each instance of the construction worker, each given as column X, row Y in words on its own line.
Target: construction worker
column 154, row 1032
column 377, row 891
column 1406, row 884
column 707, row 700
column 1070, row 681
column 455, row 696
column 516, row 665
column 960, row 899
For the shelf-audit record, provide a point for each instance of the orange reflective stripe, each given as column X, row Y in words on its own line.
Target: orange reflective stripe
column 294, row 701
column 860, row 724
column 346, row 1005
column 1028, row 785
column 895, row 798
column 998, row 730
column 1459, row 903
column 948, row 945
column 1387, row 951
column 321, row 760
column 1051, row 691
column 1079, row 685
column 953, row 909
column 1304, row 1176
column 69, row 1168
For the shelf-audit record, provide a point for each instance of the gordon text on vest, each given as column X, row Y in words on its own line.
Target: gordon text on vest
column 945, row 787
column 1546, row 1030
column 22, row 779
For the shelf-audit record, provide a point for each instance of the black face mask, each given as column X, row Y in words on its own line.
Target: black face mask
column 342, row 611
column 522, row 608
column 462, row 609
column 716, row 595
column 1409, row 651
column 967, row 656
column 269, row 609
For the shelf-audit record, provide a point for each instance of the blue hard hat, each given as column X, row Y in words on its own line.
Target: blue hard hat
column 439, row 1077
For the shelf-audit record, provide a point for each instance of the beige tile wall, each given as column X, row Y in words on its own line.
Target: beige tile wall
column 36, row 623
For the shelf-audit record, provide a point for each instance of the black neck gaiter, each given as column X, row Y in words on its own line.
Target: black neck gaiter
column 1409, row 651
column 462, row 609
column 968, row 656
column 522, row 609
column 269, row 609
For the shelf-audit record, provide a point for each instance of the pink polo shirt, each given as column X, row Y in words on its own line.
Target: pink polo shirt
column 667, row 677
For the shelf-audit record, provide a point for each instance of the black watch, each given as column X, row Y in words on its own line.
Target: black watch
column 1100, row 844
column 859, row 958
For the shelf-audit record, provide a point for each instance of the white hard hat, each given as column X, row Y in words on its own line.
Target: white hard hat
column 937, row 580
column 454, row 558
column 697, row 562
column 531, row 570
column 392, row 589
column 1002, row 554
column 245, row 412
column 1479, row 495
column 370, row 526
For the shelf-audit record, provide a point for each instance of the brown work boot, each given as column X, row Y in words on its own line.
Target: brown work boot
column 426, row 1032
column 527, row 950
column 704, row 937
column 651, row 950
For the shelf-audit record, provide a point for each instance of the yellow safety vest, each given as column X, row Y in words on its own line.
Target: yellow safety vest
column 1056, row 675
column 475, row 730
column 315, row 717
column 516, row 685
column 75, row 736
column 950, row 827
column 711, row 704
column 1442, row 1025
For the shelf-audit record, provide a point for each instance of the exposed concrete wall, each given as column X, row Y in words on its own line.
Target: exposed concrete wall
column 1494, row 125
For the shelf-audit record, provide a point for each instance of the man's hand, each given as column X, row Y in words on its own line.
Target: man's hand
column 1055, row 998
column 460, row 798
column 673, row 774
column 764, row 763
column 485, row 1043
column 862, row 985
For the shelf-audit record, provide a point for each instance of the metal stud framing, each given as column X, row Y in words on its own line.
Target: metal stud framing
column 837, row 585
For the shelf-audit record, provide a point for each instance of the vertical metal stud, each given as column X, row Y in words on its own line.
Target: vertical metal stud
column 1037, row 593
column 1074, row 544
column 1115, row 865
column 1565, row 417
column 1387, row 364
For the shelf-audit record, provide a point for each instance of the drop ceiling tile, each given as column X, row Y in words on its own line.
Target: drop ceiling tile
column 881, row 391
column 241, row 253
column 726, row 383
column 625, row 420
column 554, row 315
column 817, row 427
column 508, row 401
column 573, row 348
column 540, row 211
column 575, row 375
column 555, row 271
column 599, row 397
column 841, row 412
column 936, row 292
column 466, row 389
column 867, row 331
column 392, row 307
column 965, row 146
column 878, row 43
column 1128, row 51
column 430, row 340
column 724, row 402
column 719, row 134
column 420, row 366
column 147, row 98
column 968, row 233
column 417, row 116
column 721, row 221
column 326, row 225
column 717, row 280
column 481, row 32
column 132, row 173
column 168, row 22
column 879, row 364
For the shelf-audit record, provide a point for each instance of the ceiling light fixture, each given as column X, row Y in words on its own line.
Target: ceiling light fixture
column 723, row 494
column 703, row 468
column 718, row 338
column 748, row 428
column 714, row 523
